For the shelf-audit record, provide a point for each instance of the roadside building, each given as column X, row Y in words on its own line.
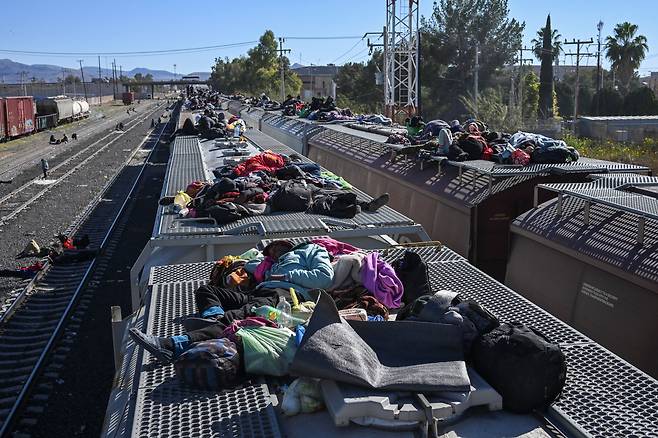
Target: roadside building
column 318, row 80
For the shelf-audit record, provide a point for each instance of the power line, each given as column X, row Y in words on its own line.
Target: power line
column 346, row 53
column 351, row 37
column 137, row 53
column 356, row 54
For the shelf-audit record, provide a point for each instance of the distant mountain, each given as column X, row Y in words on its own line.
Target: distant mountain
column 296, row 65
column 10, row 72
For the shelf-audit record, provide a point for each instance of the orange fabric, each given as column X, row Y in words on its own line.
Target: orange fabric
column 268, row 161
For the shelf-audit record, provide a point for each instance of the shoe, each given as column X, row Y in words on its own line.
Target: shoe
column 377, row 203
column 197, row 323
column 152, row 344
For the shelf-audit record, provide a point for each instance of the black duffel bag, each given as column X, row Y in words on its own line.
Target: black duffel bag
column 523, row 365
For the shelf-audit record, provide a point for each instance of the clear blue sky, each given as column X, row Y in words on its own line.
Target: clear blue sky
column 120, row 26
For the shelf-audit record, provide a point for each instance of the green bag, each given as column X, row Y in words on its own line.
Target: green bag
column 267, row 350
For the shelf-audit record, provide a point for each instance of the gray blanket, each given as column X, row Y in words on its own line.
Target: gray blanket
column 403, row 355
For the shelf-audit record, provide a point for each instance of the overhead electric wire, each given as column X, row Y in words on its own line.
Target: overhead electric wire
column 137, row 53
column 350, row 37
column 346, row 53
column 356, row 54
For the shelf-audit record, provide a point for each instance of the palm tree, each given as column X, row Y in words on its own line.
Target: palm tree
column 537, row 44
column 626, row 51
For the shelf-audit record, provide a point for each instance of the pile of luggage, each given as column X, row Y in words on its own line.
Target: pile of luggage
column 475, row 141
column 326, row 316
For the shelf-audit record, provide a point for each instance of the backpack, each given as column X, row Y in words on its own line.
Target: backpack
column 523, row 365
column 293, row 195
column 412, row 272
column 213, row 365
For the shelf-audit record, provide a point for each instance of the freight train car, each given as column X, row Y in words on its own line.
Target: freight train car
column 128, row 98
column 3, row 127
column 80, row 109
column 60, row 105
column 19, row 115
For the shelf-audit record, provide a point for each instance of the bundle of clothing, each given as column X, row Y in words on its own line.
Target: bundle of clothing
column 475, row 141
column 270, row 182
column 241, row 287
column 64, row 250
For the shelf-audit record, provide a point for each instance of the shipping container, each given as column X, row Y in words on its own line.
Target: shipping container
column 19, row 115
column 3, row 127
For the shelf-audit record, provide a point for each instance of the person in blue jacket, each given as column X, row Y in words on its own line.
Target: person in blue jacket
column 304, row 267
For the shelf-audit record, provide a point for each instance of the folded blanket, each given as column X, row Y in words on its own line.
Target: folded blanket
column 407, row 356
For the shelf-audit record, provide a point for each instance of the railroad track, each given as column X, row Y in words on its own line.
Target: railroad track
column 94, row 126
column 12, row 204
column 31, row 327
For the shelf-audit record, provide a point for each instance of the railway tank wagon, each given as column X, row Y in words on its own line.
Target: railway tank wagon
column 60, row 105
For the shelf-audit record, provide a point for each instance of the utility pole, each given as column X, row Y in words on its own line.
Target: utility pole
column 521, row 78
column 371, row 46
column 174, row 72
column 82, row 73
column 23, row 75
column 63, row 82
column 599, row 77
column 115, row 86
column 577, row 43
column 283, row 73
column 100, row 82
column 475, row 77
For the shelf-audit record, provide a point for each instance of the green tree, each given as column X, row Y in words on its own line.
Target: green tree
column 626, row 50
column 356, row 87
column 640, row 102
column 449, row 38
column 564, row 92
column 547, row 55
column 530, row 96
column 70, row 79
column 607, row 102
column 258, row 72
column 498, row 116
column 556, row 42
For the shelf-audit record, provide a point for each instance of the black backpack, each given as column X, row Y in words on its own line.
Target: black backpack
column 293, row 195
column 523, row 365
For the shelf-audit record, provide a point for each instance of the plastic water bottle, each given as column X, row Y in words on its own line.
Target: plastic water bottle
column 284, row 312
column 236, row 131
column 275, row 314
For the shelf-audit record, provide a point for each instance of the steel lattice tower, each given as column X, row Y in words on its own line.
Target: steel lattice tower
column 401, row 58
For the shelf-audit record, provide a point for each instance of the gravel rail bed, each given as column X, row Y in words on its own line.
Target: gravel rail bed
column 58, row 208
column 133, row 169
column 22, row 162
